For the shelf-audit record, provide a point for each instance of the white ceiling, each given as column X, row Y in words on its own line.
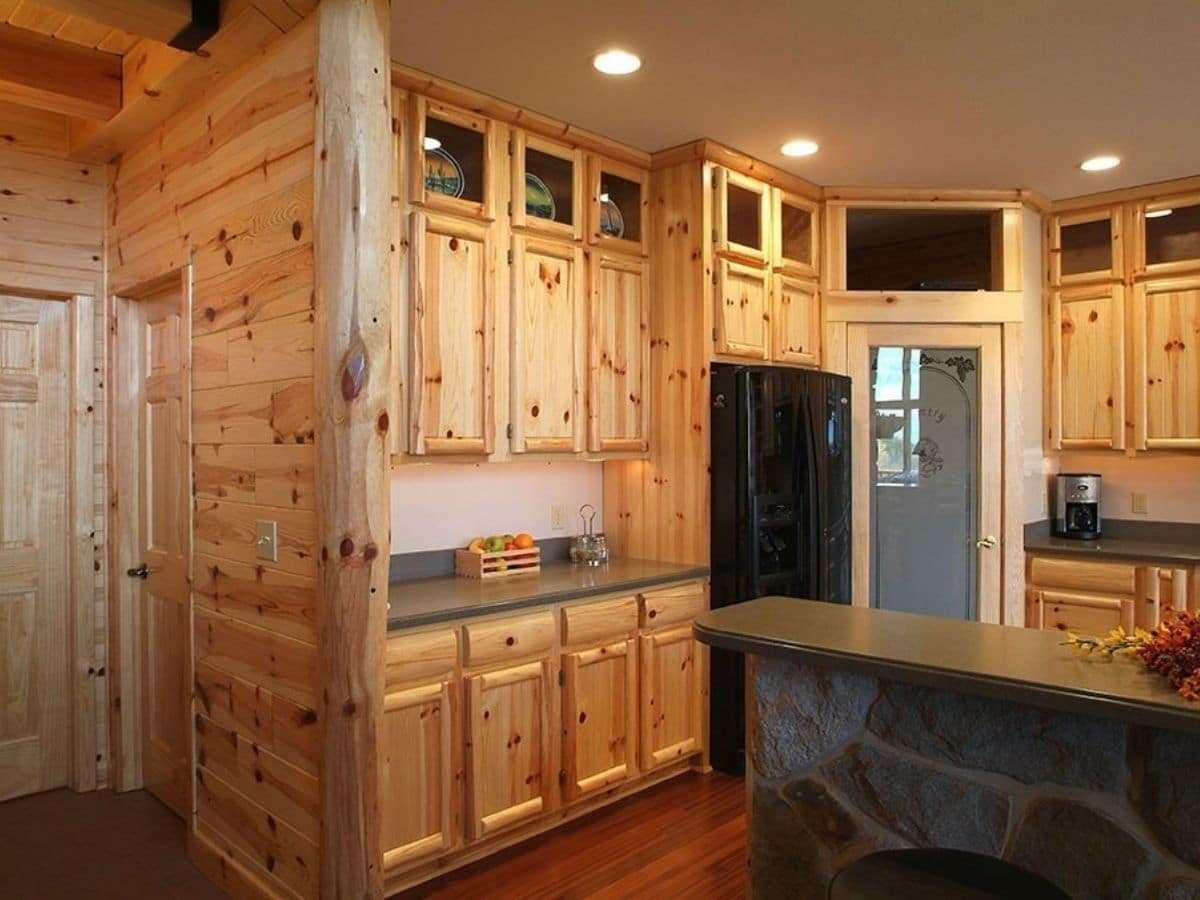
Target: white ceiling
column 922, row 93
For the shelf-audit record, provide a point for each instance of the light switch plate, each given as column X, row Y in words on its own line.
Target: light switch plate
column 266, row 541
column 1138, row 504
column 558, row 517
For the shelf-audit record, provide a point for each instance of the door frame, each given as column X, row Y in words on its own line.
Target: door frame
column 84, row 379
column 124, row 448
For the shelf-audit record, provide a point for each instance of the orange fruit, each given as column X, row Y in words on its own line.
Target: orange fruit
column 523, row 541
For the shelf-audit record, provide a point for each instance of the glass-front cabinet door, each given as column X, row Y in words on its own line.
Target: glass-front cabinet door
column 741, row 216
column 796, row 227
column 1169, row 236
column 1086, row 246
column 547, row 186
column 452, row 158
column 619, row 199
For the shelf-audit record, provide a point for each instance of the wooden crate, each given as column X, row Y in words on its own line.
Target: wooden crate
column 498, row 563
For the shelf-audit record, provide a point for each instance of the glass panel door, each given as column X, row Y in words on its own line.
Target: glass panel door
column 925, row 480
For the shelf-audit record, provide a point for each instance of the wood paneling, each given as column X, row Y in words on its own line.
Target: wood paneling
column 230, row 174
column 58, row 76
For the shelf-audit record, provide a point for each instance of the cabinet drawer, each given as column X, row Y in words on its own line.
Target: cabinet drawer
column 423, row 656
column 672, row 605
column 1103, row 577
column 502, row 640
column 1086, row 614
column 591, row 623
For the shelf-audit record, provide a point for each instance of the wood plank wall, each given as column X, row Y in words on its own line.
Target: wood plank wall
column 229, row 180
column 659, row 508
column 52, row 244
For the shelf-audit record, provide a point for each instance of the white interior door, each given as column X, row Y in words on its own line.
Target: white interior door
column 34, row 545
column 927, row 439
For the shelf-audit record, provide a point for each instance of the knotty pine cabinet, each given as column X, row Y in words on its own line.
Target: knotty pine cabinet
column 493, row 724
column 522, row 305
column 1092, row 597
column 765, row 296
column 1124, row 313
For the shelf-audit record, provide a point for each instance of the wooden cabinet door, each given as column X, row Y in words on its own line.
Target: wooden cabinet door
column 741, row 295
column 548, row 346
column 795, row 321
column 795, row 225
column 1166, row 364
column 420, row 801
column 618, row 354
column 599, row 717
column 508, row 747
column 741, row 216
column 670, row 697
column 1087, row 385
column 451, row 407
column 1086, row 246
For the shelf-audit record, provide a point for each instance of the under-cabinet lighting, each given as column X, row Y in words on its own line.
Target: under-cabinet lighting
column 432, row 143
column 1158, row 213
column 616, row 62
column 800, row 147
column 1100, row 163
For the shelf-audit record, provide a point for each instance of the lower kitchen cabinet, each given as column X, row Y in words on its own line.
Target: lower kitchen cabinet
column 670, row 698
column 493, row 725
column 508, row 746
column 419, row 739
column 1092, row 598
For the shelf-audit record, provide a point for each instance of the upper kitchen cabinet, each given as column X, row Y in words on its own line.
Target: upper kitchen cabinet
column 1086, row 246
column 796, row 224
column 1167, row 236
column 795, row 321
column 1087, row 377
column 451, row 336
column 618, row 353
column 741, row 216
column 1166, row 363
column 618, row 206
column 548, row 346
column 742, row 298
column 547, row 187
column 454, row 156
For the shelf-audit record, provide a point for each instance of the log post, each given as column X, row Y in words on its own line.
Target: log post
column 351, row 206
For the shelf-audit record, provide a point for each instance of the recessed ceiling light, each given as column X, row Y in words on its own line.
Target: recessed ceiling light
column 616, row 62
column 432, row 143
column 801, row 147
column 1158, row 213
column 1100, row 163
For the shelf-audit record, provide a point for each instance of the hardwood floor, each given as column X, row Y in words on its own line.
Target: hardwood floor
column 684, row 838
column 99, row 845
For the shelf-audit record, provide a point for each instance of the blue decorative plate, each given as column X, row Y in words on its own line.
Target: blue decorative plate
column 539, row 201
column 612, row 223
column 443, row 174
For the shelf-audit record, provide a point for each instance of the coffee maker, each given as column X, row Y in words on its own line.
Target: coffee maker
column 1077, row 506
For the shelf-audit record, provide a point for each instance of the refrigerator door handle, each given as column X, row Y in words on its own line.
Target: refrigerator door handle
column 815, row 517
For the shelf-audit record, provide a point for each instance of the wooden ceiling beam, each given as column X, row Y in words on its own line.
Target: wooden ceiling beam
column 41, row 72
column 183, row 24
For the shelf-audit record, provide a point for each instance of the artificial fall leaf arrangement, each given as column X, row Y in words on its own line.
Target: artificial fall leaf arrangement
column 1172, row 649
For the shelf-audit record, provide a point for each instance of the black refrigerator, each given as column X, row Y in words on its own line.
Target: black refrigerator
column 780, row 510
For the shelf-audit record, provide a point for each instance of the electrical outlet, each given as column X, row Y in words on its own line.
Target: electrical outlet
column 558, row 517
column 1139, row 505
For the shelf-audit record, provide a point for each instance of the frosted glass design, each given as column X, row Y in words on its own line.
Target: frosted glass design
column 925, row 480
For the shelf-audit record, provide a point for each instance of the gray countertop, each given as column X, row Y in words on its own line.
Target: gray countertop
column 1017, row 664
column 428, row 601
column 1116, row 548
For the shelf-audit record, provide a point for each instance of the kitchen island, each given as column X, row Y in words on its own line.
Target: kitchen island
column 871, row 730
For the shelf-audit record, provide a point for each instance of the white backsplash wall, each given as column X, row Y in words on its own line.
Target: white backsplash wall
column 1170, row 481
column 435, row 507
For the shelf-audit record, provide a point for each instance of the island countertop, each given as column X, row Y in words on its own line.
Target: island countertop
column 429, row 601
column 1019, row 664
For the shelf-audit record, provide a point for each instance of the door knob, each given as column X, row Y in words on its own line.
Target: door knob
column 987, row 543
column 140, row 572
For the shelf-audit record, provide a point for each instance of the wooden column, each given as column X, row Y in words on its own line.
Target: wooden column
column 351, row 209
